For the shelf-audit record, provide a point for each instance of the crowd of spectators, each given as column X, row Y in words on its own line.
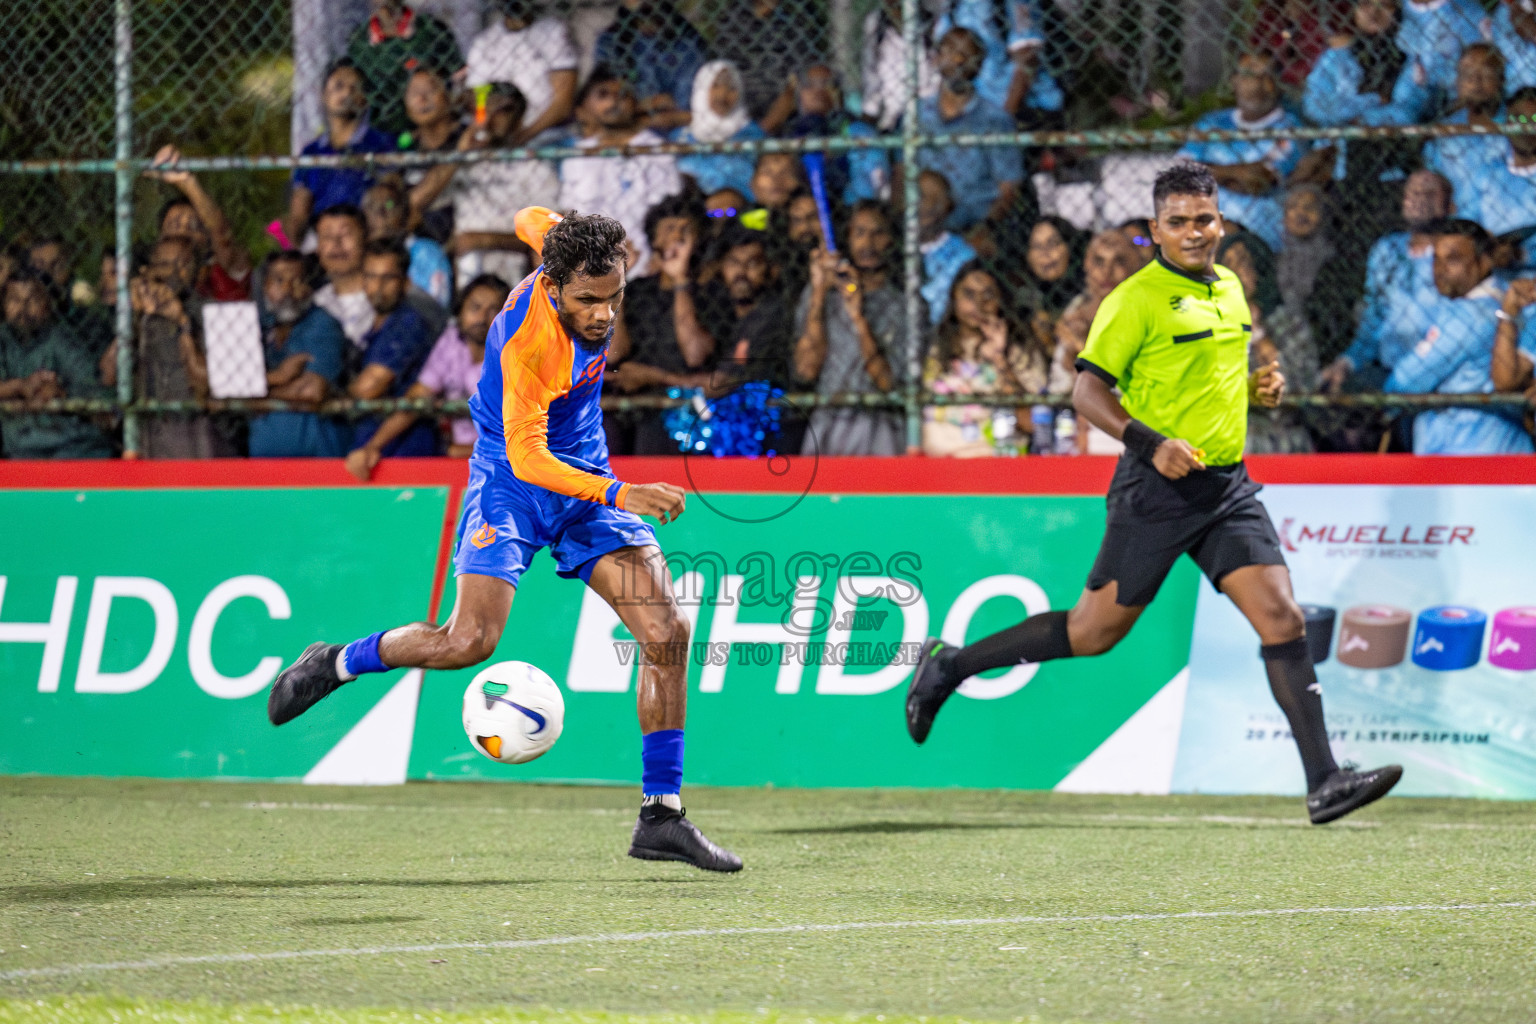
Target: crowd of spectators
column 1373, row 265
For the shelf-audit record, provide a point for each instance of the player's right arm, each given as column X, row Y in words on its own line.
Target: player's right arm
column 533, row 375
column 1173, row 457
column 1118, row 330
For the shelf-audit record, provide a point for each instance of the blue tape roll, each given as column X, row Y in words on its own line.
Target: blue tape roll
column 1448, row 637
column 1320, row 619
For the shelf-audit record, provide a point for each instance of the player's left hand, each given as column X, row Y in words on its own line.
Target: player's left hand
column 1266, row 385
column 663, row 501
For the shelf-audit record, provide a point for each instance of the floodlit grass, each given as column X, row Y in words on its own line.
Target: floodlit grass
column 133, row 901
column 94, row 1009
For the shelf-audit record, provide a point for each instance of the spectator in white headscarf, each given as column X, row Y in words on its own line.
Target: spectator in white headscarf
column 719, row 115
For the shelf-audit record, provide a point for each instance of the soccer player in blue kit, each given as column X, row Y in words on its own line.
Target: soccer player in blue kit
column 540, row 478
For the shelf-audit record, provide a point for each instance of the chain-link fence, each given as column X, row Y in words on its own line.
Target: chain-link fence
column 857, row 226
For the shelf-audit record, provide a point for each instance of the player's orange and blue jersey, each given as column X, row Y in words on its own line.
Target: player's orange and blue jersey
column 539, row 477
column 537, row 404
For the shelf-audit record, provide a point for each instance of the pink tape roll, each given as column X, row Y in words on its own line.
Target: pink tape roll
column 1513, row 644
column 1373, row 636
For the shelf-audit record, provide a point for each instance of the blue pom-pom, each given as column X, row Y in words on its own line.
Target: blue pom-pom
column 736, row 424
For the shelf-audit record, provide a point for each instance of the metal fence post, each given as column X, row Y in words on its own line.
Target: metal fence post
column 912, row 265
column 123, row 214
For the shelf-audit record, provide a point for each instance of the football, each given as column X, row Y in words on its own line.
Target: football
column 513, row 712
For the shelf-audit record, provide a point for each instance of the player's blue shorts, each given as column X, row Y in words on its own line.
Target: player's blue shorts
column 506, row 522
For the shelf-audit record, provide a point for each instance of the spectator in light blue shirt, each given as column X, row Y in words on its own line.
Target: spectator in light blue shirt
column 856, row 173
column 658, row 51
column 1464, row 159
column 1454, row 356
column 1013, row 75
column 1503, row 196
column 1251, row 173
column 983, row 180
column 1363, row 78
column 719, row 115
column 1514, row 346
column 1434, row 32
column 1514, row 33
column 944, row 252
column 1399, row 284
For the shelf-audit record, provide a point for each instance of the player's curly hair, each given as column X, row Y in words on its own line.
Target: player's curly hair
column 591, row 246
column 1185, row 178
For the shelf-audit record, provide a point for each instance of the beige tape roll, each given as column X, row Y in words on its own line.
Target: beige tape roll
column 1374, row 636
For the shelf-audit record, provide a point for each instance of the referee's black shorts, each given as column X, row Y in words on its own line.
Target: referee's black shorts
column 1213, row 515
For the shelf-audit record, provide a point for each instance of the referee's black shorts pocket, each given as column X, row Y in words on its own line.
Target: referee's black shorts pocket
column 1242, row 537
column 1137, row 556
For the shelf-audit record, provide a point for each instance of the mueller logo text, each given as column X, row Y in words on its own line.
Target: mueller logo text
column 1374, row 540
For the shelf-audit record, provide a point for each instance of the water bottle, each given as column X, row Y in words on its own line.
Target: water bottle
column 1042, row 437
column 1004, row 426
column 1066, row 433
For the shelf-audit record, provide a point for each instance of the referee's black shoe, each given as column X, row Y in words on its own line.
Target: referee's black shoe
column 930, row 688
column 303, row 684
column 1349, row 789
column 664, row 833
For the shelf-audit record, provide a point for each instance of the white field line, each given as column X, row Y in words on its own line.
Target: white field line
column 703, row 933
column 1049, row 816
column 1043, row 816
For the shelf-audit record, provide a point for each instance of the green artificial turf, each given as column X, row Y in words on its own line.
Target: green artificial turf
column 981, row 905
column 90, row 1009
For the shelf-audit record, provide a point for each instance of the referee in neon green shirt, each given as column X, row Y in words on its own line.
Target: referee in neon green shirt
column 1173, row 338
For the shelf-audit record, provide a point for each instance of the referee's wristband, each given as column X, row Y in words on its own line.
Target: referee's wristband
column 1141, row 440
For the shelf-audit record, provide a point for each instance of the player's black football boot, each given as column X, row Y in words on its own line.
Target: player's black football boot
column 1349, row 789
column 662, row 833
column 303, row 684
column 930, row 688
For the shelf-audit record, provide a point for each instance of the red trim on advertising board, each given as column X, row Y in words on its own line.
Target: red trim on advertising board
column 444, row 549
column 1085, row 475
column 914, row 475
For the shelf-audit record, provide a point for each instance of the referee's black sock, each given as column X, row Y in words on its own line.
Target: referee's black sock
column 1038, row 638
column 1293, row 681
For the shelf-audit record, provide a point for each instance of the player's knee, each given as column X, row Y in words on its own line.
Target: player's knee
column 1091, row 638
column 1095, row 640
column 1282, row 622
column 668, row 627
column 470, row 645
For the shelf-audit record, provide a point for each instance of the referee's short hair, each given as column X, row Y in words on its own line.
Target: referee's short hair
column 1185, row 178
column 1482, row 241
column 592, row 246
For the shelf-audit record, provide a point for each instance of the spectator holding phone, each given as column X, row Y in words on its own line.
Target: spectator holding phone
column 853, row 336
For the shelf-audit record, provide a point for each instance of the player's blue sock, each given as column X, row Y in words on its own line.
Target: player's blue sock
column 661, row 772
column 361, row 656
